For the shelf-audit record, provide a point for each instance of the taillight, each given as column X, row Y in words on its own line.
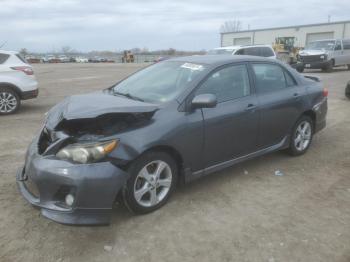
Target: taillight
column 25, row 69
column 325, row 92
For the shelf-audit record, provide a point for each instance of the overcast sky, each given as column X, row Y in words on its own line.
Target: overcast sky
column 47, row 25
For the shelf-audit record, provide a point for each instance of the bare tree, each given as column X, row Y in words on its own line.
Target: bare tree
column 23, row 52
column 231, row 26
column 66, row 50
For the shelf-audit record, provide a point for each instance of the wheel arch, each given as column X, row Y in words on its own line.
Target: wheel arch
column 172, row 152
column 310, row 113
column 13, row 87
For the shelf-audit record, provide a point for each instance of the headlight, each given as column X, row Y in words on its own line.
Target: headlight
column 87, row 153
column 324, row 57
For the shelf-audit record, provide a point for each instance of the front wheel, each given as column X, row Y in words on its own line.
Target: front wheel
column 153, row 177
column 301, row 136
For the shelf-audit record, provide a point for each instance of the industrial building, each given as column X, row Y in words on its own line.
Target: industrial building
column 292, row 36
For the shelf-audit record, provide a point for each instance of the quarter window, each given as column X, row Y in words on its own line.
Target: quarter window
column 3, row 58
column 229, row 83
column 269, row 78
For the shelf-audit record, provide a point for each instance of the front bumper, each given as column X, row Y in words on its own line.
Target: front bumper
column 315, row 65
column 44, row 182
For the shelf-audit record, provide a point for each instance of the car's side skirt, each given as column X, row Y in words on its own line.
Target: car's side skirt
column 206, row 171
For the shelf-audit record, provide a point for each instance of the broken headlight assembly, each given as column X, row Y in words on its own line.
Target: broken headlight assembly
column 87, row 152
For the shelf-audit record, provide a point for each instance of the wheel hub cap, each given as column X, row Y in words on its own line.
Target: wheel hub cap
column 152, row 183
column 302, row 136
column 8, row 102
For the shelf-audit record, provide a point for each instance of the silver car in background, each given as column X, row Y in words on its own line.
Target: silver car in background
column 325, row 54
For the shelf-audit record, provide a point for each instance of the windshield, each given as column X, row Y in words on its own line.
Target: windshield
column 321, row 45
column 160, row 82
column 221, row 52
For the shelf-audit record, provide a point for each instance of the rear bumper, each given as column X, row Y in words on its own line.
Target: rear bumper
column 45, row 182
column 29, row 94
column 320, row 110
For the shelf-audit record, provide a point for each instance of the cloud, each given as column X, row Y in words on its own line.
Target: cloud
column 43, row 25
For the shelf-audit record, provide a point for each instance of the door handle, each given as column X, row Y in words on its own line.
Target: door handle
column 250, row 107
column 296, row 95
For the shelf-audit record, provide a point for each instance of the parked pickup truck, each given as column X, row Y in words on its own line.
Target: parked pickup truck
column 325, row 54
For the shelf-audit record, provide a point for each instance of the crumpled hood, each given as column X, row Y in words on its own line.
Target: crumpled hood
column 313, row 52
column 93, row 105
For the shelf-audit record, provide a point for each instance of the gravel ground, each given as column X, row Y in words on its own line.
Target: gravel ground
column 244, row 213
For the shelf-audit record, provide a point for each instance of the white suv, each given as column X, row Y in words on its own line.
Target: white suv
column 17, row 81
column 254, row 50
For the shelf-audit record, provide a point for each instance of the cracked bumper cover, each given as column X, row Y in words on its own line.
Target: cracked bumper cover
column 44, row 182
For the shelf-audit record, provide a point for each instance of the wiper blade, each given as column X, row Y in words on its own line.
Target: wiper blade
column 129, row 96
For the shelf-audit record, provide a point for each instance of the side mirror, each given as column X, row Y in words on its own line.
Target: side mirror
column 204, row 101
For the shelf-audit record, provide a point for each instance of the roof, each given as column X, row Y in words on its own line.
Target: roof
column 286, row 27
column 218, row 59
column 239, row 46
column 8, row 52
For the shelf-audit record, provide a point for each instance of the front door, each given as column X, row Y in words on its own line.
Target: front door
column 231, row 128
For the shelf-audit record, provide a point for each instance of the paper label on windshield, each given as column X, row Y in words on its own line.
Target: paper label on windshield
column 192, row 66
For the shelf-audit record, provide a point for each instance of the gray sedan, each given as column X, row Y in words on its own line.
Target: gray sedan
column 173, row 121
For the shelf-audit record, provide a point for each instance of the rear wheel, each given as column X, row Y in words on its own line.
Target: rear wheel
column 347, row 90
column 301, row 136
column 153, row 179
column 9, row 101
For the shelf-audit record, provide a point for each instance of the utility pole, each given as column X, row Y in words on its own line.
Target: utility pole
column 329, row 18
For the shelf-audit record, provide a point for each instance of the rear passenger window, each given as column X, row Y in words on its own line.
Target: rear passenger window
column 229, row 83
column 266, row 52
column 3, row 58
column 269, row 77
column 254, row 51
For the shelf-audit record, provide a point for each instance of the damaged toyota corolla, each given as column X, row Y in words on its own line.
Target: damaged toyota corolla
column 175, row 120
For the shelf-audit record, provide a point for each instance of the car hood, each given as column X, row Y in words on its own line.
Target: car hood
column 312, row 52
column 93, row 105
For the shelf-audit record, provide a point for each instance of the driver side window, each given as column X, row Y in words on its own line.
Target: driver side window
column 226, row 84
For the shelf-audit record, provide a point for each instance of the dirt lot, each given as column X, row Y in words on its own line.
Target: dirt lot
column 232, row 215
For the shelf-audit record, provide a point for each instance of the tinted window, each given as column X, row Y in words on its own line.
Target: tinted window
column 228, row 83
column 337, row 46
column 3, row 58
column 289, row 79
column 252, row 51
column 21, row 58
column 266, row 51
column 269, row 77
column 346, row 44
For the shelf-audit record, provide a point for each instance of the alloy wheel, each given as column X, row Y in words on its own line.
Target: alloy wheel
column 8, row 102
column 152, row 183
column 303, row 136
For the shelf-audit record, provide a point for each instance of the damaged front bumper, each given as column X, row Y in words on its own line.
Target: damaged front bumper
column 45, row 182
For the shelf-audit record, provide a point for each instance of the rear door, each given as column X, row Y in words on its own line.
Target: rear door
column 280, row 102
column 346, row 51
column 231, row 128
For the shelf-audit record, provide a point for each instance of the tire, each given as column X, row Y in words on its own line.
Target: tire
column 300, row 69
column 145, row 191
column 329, row 67
column 301, row 137
column 347, row 90
column 9, row 101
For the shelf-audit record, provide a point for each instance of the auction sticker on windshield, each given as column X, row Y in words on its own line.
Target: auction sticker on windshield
column 192, row 66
